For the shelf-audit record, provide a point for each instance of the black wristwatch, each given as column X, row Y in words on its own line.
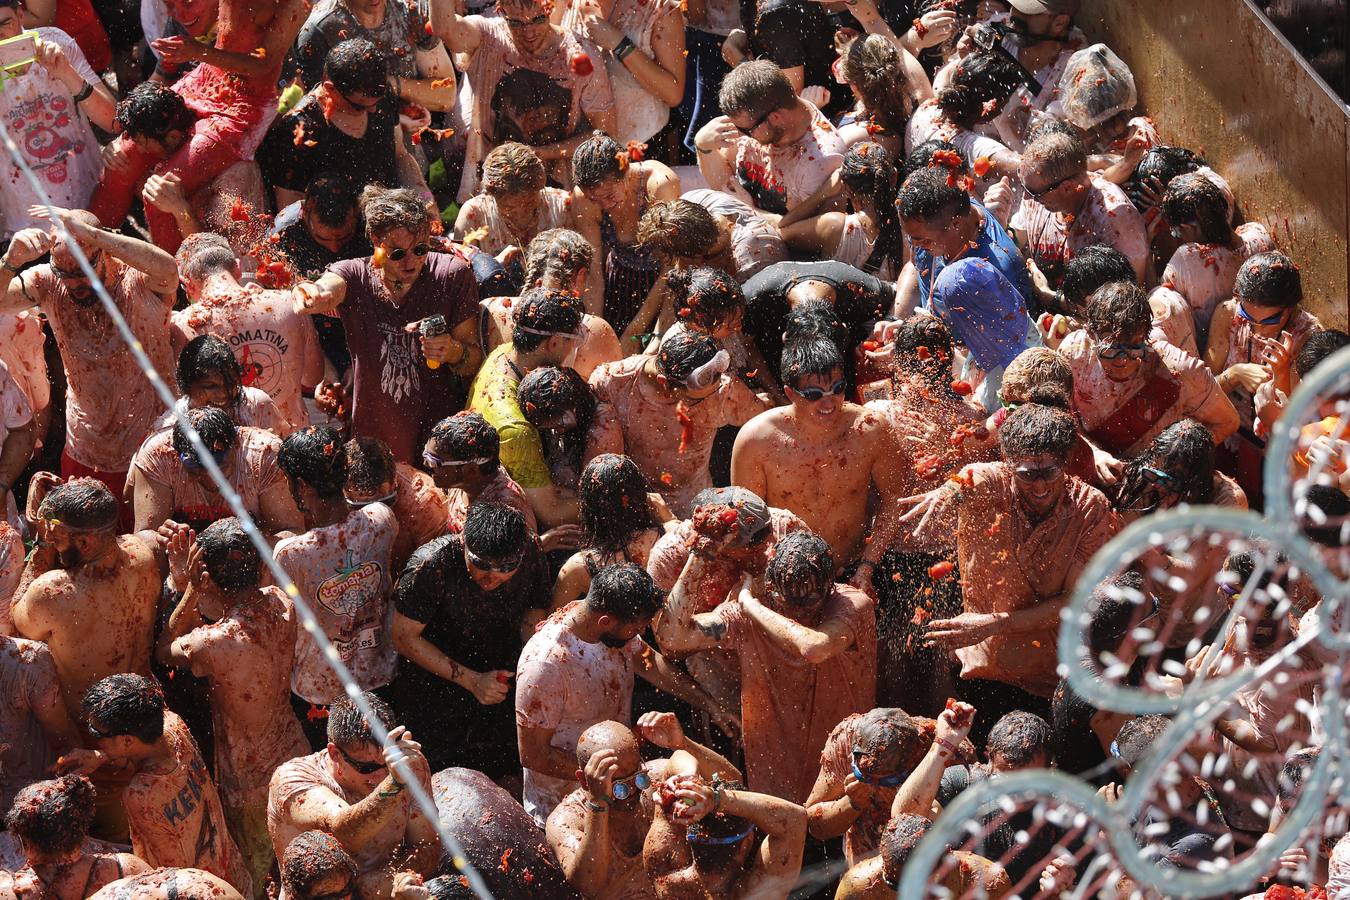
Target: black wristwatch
column 623, row 48
column 84, row 93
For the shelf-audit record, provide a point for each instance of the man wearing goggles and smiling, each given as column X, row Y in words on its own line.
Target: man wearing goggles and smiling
column 1023, row 531
column 1128, row 387
column 598, row 831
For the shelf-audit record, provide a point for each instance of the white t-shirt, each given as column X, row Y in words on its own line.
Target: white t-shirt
column 54, row 136
column 567, row 685
column 14, row 413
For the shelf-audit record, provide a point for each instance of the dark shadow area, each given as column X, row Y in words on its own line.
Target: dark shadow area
column 1317, row 29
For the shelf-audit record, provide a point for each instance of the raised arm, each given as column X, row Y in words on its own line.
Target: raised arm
column 159, row 267
column 688, row 756
column 783, row 824
column 27, row 245
column 679, row 629
column 814, row 645
column 462, row 34
column 320, row 297
column 919, row 792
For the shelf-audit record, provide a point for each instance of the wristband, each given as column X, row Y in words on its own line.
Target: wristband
column 623, row 48
column 946, row 745
column 597, row 807
column 83, row 95
column 6, row 264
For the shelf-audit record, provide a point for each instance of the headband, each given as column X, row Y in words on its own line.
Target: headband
column 570, row 335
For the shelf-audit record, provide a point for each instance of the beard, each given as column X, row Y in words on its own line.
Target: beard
column 617, row 643
column 70, row 557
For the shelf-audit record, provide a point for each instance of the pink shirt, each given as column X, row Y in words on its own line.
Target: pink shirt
column 176, row 818
column 775, row 179
column 342, row 572
column 252, row 471
column 501, row 489
column 21, row 343
column 110, row 405
column 15, row 413
column 1204, row 273
column 480, row 214
column 1096, row 398
column 651, row 429
column 276, row 347
column 566, row 685
column 1107, row 217
column 788, row 705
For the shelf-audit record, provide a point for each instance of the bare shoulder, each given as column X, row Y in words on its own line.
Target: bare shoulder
column 764, row 426
column 138, row 551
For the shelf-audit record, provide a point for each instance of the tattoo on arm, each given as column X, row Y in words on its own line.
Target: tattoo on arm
column 715, row 629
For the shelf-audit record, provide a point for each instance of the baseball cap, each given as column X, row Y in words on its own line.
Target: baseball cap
column 752, row 513
column 1042, row 7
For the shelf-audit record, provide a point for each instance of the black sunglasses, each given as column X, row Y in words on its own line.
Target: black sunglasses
column 398, row 253
column 525, row 23
column 96, row 734
column 1046, row 190
column 758, row 122
column 365, row 768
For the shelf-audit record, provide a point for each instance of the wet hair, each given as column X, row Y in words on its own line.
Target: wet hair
column 204, row 254
column 885, row 733
column 873, row 66
column 1137, row 736
column 522, row 90
column 450, row 887
column 126, row 704
column 466, row 435
column 934, row 361
column 898, row 840
column 1089, row 269
column 544, row 310
column 1165, row 163
column 981, row 78
column 815, row 319
column 921, row 157
column 1270, row 279
column 556, row 256
column 389, row 209
column 1194, row 198
column 1184, row 450
column 704, row 298
column 356, row 66
column 1333, row 506
column 1036, row 367
column 680, row 228
column 316, row 456
column 512, row 168
column 348, row 729
column 868, row 172
column 1317, row 347
column 756, row 88
column 331, row 198
column 801, row 558
column 214, row 426
column 84, row 504
column 1020, row 736
column 810, row 356
column 1055, row 157
column 152, row 110
column 683, row 352
column 1033, row 430
column 1297, row 767
column 311, row 857
column 1050, row 125
column 54, row 816
column 599, row 158
column 1119, row 310
column 548, row 393
column 207, row 355
column 229, row 556
column 718, row 857
column 612, row 494
column 495, row 531
column 1112, row 608
column 370, row 464
column 927, row 196
column 625, row 592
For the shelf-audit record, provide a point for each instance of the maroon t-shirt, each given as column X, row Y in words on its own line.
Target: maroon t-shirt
column 397, row 397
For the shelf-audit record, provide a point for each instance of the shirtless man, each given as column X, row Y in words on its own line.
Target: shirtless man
column 233, row 91
column 705, row 845
column 560, row 259
column 356, row 792
column 807, row 658
column 51, row 821
column 91, row 593
column 169, row 884
column 173, row 810
column 598, row 831
column 341, row 565
column 241, row 638
column 277, row 348
column 877, row 877
column 110, row 405
column 169, row 483
column 820, row 456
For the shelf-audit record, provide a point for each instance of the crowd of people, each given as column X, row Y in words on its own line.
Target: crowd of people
column 684, row 422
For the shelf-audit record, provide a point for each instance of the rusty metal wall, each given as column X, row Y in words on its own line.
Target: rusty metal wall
column 1216, row 78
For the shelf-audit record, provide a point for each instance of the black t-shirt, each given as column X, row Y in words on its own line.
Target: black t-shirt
column 369, row 159
column 475, row 628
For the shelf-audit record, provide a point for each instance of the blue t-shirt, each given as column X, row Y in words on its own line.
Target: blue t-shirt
column 993, row 244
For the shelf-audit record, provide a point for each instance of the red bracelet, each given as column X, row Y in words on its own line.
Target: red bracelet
column 947, row 745
column 920, row 29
